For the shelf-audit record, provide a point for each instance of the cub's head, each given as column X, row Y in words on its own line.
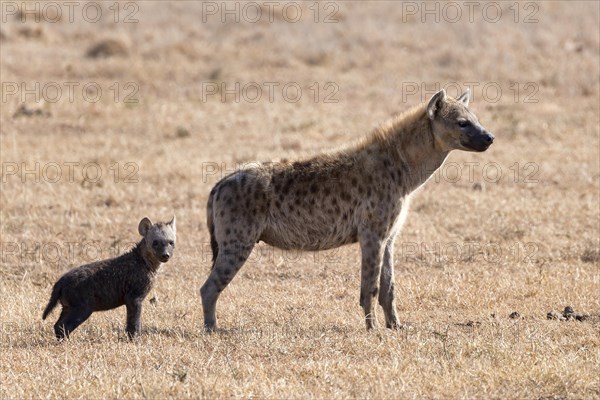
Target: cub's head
column 454, row 126
column 160, row 238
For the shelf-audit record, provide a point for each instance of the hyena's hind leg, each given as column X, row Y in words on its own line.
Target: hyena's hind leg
column 59, row 326
column 236, row 217
column 386, row 291
column 229, row 260
column 72, row 318
column 372, row 248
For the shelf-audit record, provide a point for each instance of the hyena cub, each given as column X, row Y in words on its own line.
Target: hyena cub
column 357, row 194
column 107, row 284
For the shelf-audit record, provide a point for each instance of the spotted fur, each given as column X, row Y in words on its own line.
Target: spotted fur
column 358, row 194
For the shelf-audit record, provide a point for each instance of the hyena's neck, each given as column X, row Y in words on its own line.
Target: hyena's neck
column 146, row 257
column 407, row 142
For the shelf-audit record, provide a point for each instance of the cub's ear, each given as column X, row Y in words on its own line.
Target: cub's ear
column 172, row 222
column 144, row 226
column 435, row 103
column 465, row 97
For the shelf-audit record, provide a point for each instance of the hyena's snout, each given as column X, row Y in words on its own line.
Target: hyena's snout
column 164, row 252
column 478, row 139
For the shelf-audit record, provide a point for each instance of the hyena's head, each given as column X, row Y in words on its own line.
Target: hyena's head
column 160, row 238
column 454, row 126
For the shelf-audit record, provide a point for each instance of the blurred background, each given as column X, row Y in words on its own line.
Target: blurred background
column 113, row 108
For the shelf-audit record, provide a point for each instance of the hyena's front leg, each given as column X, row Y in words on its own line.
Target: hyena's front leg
column 386, row 290
column 134, row 315
column 372, row 248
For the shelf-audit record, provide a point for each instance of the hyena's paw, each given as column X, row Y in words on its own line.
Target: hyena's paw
column 371, row 323
column 60, row 333
column 397, row 326
column 210, row 327
column 131, row 336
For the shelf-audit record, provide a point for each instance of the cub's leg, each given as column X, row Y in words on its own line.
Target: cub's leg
column 75, row 316
column 134, row 314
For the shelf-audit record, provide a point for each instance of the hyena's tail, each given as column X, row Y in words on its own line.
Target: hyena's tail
column 211, row 226
column 56, row 291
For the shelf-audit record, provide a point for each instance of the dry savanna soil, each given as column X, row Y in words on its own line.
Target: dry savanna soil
column 140, row 112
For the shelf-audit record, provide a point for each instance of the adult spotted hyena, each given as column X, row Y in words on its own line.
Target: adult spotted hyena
column 108, row 284
column 358, row 194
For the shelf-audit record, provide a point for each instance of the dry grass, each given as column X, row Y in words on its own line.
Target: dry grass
column 472, row 252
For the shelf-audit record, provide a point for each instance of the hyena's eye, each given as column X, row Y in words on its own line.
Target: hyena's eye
column 463, row 123
column 172, row 243
column 155, row 243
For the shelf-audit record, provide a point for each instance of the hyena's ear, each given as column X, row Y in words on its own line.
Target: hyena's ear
column 435, row 103
column 144, row 226
column 172, row 222
column 465, row 97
